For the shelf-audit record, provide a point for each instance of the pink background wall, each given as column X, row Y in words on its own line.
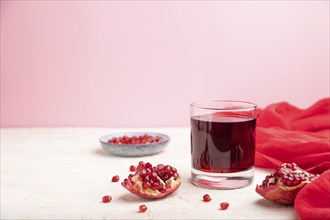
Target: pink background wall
column 132, row 64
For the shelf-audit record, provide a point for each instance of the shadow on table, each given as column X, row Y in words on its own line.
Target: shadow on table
column 129, row 197
column 103, row 153
column 271, row 205
column 268, row 204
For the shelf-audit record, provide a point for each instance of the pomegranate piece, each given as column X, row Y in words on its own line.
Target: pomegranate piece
column 153, row 181
column 207, row 198
column 115, row 178
column 283, row 185
column 224, row 205
column 106, row 199
column 141, row 139
column 143, row 208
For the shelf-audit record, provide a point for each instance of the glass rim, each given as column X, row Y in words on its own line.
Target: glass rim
column 249, row 105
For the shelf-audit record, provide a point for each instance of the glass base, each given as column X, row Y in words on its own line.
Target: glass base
column 222, row 180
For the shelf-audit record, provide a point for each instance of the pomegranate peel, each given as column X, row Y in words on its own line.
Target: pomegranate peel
column 153, row 181
column 281, row 193
column 283, row 185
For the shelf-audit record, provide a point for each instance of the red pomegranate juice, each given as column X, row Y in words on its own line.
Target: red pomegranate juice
column 221, row 144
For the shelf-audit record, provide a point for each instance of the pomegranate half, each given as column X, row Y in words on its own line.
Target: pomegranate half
column 153, row 181
column 283, row 185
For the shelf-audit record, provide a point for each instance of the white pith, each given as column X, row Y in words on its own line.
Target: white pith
column 137, row 183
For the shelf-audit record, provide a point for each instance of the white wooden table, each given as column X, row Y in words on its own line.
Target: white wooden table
column 62, row 173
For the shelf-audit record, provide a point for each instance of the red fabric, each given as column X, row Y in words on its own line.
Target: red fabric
column 313, row 201
column 289, row 134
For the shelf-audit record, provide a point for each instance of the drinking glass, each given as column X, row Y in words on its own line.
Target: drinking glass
column 222, row 143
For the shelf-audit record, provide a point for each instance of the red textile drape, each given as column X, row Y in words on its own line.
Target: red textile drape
column 286, row 133
column 313, row 201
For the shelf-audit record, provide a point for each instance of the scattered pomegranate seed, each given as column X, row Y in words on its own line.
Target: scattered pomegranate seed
column 224, row 205
column 141, row 139
column 132, row 168
column 207, row 198
column 115, row 178
column 106, row 199
column 143, row 208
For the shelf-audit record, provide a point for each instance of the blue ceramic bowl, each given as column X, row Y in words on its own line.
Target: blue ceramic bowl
column 134, row 150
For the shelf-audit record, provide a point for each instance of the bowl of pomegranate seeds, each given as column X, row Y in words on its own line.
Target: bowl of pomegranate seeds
column 134, row 144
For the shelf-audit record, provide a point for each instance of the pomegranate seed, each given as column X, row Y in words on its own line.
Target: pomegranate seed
column 148, row 165
column 145, row 185
column 224, row 205
column 106, row 199
column 143, row 208
column 132, row 168
column 115, row 178
column 148, row 172
column 167, row 168
column 207, row 198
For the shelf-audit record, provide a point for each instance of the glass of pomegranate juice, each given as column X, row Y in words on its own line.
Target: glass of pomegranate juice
column 222, row 143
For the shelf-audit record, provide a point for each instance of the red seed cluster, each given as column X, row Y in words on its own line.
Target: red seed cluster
column 141, row 139
column 106, row 199
column 289, row 174
column 155, row 177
